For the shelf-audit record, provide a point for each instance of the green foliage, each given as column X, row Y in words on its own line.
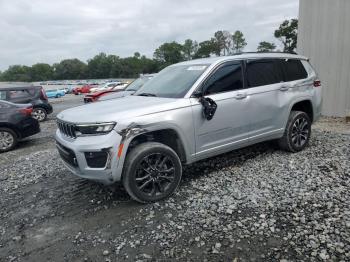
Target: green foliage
column 287, row 33
column 189, row 49
column 266, row 47
column 100, row 66
column 169, row 53
column 70, row 69
column 206, row 48
column 238, row 42
column 223, row 42
column 17, row 73
column 41, row 72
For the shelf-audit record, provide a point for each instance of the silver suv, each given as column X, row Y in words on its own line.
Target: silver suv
column 188, row 112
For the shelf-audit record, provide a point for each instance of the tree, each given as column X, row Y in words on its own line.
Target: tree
column 189, row 49
column 169, row 53
column 100, row 65
column 223, row 40
column 70, row 69
column 238, row 42
column 287, row 33
column 17, row 73
column 206, row 48
column 266, row 47
column 41, row 72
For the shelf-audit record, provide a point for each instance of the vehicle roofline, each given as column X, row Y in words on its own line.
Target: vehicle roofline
column 240, row 56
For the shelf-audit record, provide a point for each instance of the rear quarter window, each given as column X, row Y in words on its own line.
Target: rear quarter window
column 18, row 94
column 293, row 70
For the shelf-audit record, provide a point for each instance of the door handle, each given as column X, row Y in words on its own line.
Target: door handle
column 240, row 96
column 284, row 88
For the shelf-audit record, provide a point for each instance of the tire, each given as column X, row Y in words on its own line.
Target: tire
column 155, row 181
column 57, row 96
column 8, row 139
column 39, row 114
column 297, row 133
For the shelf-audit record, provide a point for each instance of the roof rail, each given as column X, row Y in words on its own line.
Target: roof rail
column 266, row 52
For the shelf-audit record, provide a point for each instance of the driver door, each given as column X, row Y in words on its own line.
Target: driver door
column 229, row 127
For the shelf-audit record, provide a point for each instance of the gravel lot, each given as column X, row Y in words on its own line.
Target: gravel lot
column 254, row 204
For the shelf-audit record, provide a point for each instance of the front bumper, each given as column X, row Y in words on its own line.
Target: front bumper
column 74, row 154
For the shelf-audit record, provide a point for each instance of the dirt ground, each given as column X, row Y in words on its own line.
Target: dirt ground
column 254, row 204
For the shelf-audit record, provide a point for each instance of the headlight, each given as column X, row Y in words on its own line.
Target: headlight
column 94, row 129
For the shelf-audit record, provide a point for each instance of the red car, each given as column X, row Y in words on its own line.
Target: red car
column 82, row 89
column 93, row 97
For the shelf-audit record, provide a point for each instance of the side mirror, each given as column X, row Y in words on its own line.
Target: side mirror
column 209, row 107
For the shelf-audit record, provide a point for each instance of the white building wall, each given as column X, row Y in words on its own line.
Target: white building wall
column 324, row 37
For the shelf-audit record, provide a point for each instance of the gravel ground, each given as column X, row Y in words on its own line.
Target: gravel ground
column 254, row 204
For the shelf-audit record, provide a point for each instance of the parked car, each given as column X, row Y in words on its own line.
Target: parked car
column 129, row 90
column 68, row 89
column 16, row 123
column 55, row 93
column 115, row 91
column 109, row 86
column 82, row 89
column 34, row 95
column 188, row 112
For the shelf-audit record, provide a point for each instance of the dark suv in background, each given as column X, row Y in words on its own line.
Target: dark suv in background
column 34, row 95
column 16, row 123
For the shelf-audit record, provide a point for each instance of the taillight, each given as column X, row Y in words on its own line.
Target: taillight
column 43, row 94
column 317, row 83
column 26, row 111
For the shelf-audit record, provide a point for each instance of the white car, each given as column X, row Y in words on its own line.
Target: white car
column 107, row 86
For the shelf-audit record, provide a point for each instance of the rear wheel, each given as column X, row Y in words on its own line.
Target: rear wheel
column 297, row 133
column 152, row 172
column 8, row 139
column 39, row 114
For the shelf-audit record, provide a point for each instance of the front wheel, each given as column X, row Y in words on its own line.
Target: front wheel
column 8, row 139
column 152, row 172
column 39, row 114
column 297, row 133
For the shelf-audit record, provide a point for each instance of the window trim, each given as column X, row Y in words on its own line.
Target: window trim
column 214, row 70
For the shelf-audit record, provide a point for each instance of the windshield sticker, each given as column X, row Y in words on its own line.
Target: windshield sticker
column 196, row 68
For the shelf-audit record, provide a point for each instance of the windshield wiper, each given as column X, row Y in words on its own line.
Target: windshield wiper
column 146, row 94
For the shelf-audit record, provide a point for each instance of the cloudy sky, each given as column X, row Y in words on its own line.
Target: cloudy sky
column 33, row 31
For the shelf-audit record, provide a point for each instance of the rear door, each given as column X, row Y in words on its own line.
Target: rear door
column 267, row 97
column 229, row 127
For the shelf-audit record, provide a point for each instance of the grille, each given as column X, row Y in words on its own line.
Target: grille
column 67, row 129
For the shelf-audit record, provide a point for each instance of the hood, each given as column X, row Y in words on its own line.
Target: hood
column 114, row 95
column 115, row 110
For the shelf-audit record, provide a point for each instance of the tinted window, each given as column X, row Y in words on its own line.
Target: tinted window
column 263, row 72
column 18, row 94
column 293, row 70
column 226, row 78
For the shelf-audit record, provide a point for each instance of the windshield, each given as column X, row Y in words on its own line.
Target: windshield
column 173, row 81
column 137, row 84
